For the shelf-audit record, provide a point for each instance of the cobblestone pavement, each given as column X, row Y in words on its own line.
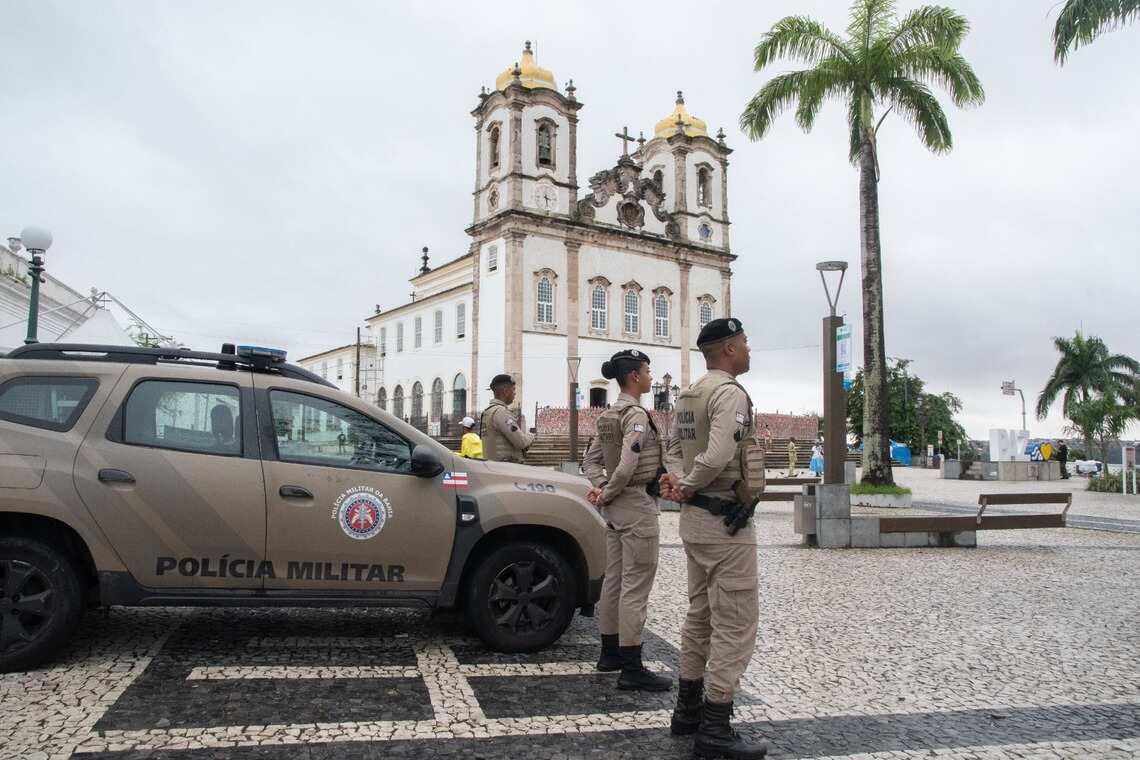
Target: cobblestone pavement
column 1025, row 647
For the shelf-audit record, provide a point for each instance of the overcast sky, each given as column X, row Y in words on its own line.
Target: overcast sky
column 266, row 172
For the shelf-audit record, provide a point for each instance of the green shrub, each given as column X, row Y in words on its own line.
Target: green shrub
column 1099, row 483
column 867, row 489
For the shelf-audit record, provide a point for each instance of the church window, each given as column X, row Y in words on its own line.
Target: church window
column 459, row 397
column 436, row 399
column 632, row 312
column 705, row 232
column 545, row 301
column 704, row 187
column 382, row 399
column 399, row 337
column 545, row 146
column 339, row 369
column 661, row 316
column 418, row 332
column 417, row 401
column 494, row 142
column 383, row 341
column 705, row 313
column 438, row 335
column 659, row 179
column 492, row 258
column 599, row 307
column 460, row 320
column 325, row 370
column 398, row 401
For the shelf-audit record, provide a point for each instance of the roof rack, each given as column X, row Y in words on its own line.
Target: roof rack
column 142, row 355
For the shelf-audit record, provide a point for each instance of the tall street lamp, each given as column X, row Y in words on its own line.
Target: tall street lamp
column 37, row 240
column 834, row 398
column 572, row 364
column 1008, row 388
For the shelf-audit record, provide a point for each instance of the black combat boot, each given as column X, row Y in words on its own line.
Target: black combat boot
column 687, row 713
column 610, row 659
column 717, row 738
column 634, row 676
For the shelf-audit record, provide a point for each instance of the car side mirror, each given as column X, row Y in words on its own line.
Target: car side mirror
column 425, row 462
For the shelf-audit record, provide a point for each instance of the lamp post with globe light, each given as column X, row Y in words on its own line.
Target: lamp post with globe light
column 37, row 240
column 834, row 397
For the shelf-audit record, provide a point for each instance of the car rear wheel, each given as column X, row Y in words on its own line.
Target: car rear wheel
column 521, row 597
column 40, row 602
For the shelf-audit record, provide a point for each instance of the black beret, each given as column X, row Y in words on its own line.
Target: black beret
column 630, row 353
column 502, row 380
column 718, row 330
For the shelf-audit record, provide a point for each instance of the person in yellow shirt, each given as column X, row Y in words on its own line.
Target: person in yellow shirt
column 471, row 445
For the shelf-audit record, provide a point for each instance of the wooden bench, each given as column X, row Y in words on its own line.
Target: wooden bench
column 785, row 495
column 982, row 521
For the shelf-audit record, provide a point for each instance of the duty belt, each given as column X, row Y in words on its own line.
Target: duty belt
column 712, row 504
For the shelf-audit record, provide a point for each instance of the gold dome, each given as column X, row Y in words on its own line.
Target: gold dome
column 530, row 73
column 694, row 127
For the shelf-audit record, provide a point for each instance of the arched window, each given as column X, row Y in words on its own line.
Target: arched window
column 494, row 141
column 705, row 313
column 436, row 399
column 398, row 401
column 459, row 396
column 417, row 400
column 632, row 311
column 545, row 138
column 659, row 179
column 382, row 399
column 704, row 187
column 599, row 308
column 544, row 303
column 661, row 316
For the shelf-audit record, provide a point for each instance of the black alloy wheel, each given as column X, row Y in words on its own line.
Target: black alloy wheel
column 524, row 597
column 27, row 602
column 41, row 601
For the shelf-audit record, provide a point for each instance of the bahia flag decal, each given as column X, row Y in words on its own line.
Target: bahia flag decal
column 455, row 480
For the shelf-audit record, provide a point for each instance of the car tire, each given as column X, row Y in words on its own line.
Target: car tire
column 521, row 597
column 41, row 602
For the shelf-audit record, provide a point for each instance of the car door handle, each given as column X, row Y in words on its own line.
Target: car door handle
column 111, row 475
column 295, row 492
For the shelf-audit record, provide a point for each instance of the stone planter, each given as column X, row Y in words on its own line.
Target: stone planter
column 882, row 501
column 951, row 469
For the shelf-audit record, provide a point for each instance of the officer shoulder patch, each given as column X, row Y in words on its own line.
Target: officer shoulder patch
column 638, row 427
column 740, row 418
column 636, row 447
column 514, row 428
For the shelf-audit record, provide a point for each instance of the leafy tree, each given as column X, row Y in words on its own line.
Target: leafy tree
column 882, row 64
column 915, row 415
column 1084, row 370
column 1101, row 419
column 1082, row 21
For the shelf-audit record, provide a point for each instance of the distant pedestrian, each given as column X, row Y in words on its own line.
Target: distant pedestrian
column 1063, row 458
column 471, row 445
column 816, row 464
column 791, row 457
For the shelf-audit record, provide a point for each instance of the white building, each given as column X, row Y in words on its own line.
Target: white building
column 641, row 260
column 338, row 366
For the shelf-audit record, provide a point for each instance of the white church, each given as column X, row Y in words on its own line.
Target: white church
column 640, row 259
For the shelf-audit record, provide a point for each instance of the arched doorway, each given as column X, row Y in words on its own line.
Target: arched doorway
column 598, row 397
column 459, row 397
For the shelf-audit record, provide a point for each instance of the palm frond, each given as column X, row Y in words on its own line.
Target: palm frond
column 1082, row 21
column 855, row 127
column 916, row 103
column 929, row 25
column 775, row 97
column 945, row 68
column 798, row 37
column 870, row 19
column 833, row 76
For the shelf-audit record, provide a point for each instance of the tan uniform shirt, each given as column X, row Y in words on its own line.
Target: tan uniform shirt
column 727, row 406
column 637, row 436
column 504, row 439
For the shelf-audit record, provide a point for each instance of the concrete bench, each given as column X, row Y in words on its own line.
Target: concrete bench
column 956, row 531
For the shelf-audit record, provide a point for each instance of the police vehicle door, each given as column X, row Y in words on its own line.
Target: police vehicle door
column 170, row 470
column 344, row 511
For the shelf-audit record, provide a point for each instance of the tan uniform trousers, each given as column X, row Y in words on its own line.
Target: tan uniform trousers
column 632, row 535
column 719, row 632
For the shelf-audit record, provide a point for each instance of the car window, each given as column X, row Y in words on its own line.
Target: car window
column 203, row 417
column 54, row 403
column 312, row 430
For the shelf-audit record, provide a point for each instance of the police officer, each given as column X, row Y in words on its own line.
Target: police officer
column 623, row 463
column 504, row 440
column 712, row 426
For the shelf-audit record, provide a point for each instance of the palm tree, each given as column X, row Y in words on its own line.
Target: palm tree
column 1085, row 370
column 882, row 63
column 1082, row 21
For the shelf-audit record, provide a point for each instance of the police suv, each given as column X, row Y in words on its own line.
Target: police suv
column 156, row 476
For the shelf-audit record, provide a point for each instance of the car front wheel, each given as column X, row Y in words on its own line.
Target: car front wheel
column 40, row 602
column 521, row 597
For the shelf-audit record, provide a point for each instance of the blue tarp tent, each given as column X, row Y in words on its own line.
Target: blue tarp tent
column 899, row 452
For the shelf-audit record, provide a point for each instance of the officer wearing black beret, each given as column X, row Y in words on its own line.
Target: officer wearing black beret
column 504, row 439
column 707, row 461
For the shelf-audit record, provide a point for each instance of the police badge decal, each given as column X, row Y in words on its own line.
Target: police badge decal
column 362, row 512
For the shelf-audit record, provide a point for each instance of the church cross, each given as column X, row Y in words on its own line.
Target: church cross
column 623, row 135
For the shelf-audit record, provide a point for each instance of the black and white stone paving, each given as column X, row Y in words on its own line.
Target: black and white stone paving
column 1026, row 647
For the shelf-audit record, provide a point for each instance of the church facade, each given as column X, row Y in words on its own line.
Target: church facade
column 640, row 259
